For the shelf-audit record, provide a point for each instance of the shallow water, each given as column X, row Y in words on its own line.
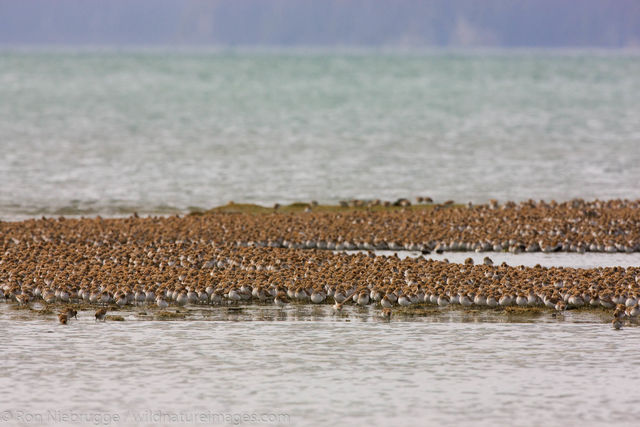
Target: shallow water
column 530, row 259
column 449, row 368
column 108, row 132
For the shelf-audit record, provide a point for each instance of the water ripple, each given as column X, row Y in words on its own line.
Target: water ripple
column 328, row 372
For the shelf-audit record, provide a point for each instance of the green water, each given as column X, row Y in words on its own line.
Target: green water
column 107, row 132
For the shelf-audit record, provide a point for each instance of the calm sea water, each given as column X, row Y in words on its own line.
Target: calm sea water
column 105, row 132
column 449, row 368
column 530, row 259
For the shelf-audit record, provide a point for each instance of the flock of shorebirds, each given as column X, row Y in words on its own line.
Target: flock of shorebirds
column 198, row 260
column 69, row 312
column 574, row 226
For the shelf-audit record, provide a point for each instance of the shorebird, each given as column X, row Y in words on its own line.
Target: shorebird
column 465, row 300
column 616, row 324
column 217, row 296
column 234, row 295
column 49, row 296
column 375, row 295
column 94, row 296
column 23, row 299
column 480, row 299
column 403, row 300
column 182, row 298
column 150, row 296
column 392, row 297
column 62, row 318
column 385, row 302
column 105, row 298
column 203, row 296
column 363, row 298
column 318, row 296
column 386, row 313
column 300, row 294
column 160, row 302
column 281, row 299
column 192, row 297
column 492, row 301
column 71, row 313
column 521, row 300
column 633, row 311
column 101, row 314
column 619, row 312
column 259, row 293
column 121, row 299
column 606, row 301
column 140, row 297
column 339, row 296
column 576, row 300
column 505, row 300
column 443, row 300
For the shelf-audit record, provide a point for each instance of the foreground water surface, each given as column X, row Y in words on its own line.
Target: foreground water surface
column 310, row 367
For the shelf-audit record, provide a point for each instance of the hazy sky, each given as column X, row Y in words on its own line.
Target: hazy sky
column 518, row 23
